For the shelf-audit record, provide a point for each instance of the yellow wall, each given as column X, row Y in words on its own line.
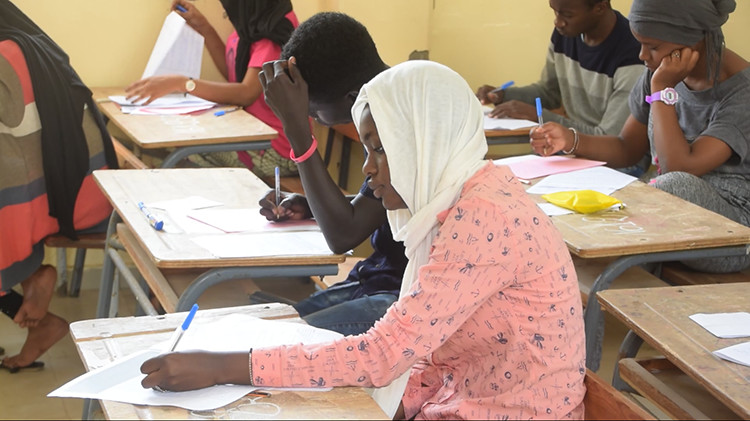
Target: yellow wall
column 487, row 41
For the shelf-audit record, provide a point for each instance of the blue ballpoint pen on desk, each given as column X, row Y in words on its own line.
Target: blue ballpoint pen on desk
column 503, row 87
column 156, row 223
column 222, row 112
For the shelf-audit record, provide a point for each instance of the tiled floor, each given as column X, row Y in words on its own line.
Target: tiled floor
column 24, row 394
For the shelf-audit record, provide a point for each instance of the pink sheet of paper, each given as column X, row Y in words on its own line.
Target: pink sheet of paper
column 534, row 168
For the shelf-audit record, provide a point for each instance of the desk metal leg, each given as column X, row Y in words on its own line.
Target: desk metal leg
column 108, row 272
column 219, row 275
column 629, row 348
column 181, row 153
column 593, row 316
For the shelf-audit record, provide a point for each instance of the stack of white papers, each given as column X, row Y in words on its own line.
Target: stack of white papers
column 602, row 179
column 121, row 380
column 728, row 325
column 167, row 105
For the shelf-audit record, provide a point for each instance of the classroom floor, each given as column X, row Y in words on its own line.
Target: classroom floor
column 24, row 394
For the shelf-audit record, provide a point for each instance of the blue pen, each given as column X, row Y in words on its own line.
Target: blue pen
column 177, row 335
column 156, row 223
column 277, row 188
column 503, row 87
column 539, row 110
column 181, row 8
column 222, row 112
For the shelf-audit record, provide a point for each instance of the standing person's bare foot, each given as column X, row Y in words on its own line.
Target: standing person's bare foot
column 37, row 293
column 47, row 332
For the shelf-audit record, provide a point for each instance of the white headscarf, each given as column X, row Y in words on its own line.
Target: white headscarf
column 430, row 125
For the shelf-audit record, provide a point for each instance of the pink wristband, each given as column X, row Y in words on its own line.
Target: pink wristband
column 305, row 155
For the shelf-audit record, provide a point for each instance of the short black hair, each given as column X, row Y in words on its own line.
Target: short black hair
column 335, row 55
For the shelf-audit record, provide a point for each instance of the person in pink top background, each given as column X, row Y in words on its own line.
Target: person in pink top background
column 488, row 324
column 262, row 27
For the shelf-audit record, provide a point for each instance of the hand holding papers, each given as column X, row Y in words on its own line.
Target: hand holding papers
column 179, row 49
column 121, row 380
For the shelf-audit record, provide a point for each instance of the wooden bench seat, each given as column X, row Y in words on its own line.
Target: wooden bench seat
column 676, row 273
column 635, row 277
column 671, row 390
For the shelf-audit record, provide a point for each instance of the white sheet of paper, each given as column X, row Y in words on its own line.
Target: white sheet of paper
column 174, row 214
column 120, row 381
column 184, row 204
column 178, row 49
column 507, row 123
column 513, row 159
column 247, row 220
column 724, row 325
column 167, row 110
column 602, row 179
column 504, row 123
column 265, row 244
column 166, row 101
column 739, row 353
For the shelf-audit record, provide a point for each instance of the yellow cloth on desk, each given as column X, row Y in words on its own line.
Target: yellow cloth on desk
column 583, row 201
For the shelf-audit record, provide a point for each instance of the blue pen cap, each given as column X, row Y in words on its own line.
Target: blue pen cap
column 538, row 106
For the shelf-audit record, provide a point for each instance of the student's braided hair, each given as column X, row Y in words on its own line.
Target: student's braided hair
column 335, row 55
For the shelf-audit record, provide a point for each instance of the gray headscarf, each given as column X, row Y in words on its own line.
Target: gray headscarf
column 684, row 22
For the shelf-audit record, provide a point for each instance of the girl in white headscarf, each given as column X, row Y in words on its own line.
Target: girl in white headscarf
column 488, row 324
column 688, row 110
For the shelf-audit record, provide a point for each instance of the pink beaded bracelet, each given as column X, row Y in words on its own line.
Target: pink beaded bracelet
column 305, row 155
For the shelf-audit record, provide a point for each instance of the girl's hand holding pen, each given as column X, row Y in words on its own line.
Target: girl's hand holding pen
column 550, row 138
column 291, row 206
column 180, row 371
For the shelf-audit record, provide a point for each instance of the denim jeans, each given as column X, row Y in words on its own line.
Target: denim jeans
column 333, row 309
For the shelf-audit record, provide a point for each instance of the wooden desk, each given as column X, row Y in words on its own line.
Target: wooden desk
column 660, row 317
column 654, row 227
column 234, row 187
column 96, row 340
column 189, row 134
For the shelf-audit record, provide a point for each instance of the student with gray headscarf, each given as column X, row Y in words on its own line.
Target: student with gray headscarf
column 689, row 109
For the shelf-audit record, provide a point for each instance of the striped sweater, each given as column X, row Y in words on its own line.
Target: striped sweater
column 592, row 83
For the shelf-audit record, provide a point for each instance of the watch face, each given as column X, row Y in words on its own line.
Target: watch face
column 669, row 96
column 190, row 85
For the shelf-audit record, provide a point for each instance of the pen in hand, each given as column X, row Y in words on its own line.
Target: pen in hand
column 177, row 335
column 277, row 189
column 503, row 87
column 539, row 117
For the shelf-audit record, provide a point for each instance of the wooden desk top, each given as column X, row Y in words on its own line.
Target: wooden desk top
column 234, row 187
column 203, row 128
column 653, row 221
column 96, row 341
column 660, row 317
